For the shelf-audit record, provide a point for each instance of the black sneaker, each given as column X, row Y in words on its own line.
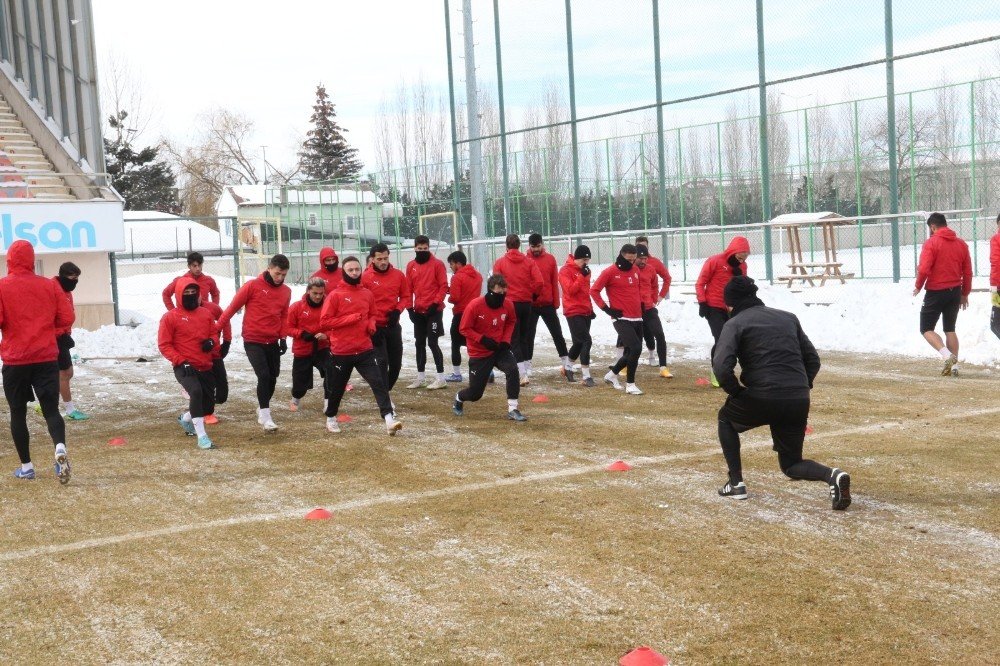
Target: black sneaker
column 516, row 415
column 570, row 375
column 840, row 490
column 456, row 407
column 737, row 492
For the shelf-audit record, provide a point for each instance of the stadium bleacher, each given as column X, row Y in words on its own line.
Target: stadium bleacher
column 25, row 172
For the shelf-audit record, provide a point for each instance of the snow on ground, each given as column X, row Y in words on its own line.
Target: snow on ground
column 872, row 317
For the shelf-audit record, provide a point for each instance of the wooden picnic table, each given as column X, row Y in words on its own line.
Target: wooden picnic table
column 809, row 271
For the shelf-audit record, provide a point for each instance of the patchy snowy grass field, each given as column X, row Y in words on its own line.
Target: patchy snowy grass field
column 475, row 539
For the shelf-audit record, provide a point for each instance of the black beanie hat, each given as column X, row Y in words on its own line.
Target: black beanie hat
column 738, row 289
column 641, row 251
column 581, row 252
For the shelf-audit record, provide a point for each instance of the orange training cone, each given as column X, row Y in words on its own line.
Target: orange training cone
column 619, row 466
column 701, row 381
column 644, row 656
column 319, row 514
column 343, row 418
column 116, row 441
column 211, row 419
column 540, row 398
column 809, row 429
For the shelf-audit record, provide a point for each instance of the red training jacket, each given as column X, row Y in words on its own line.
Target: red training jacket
column 182, row 332
column 333, row 277
column 575, row 290
column 623, row 291
column 550, row 278
column 68, row 329
column 480, row 320
column 206, row 285
column 717, row 272
column 647, row 286
column 524, row 280
column 348, row 319
column 226, row 334
column 945, row 263
column 995, row 260
column 466, row 285
column 303, row 316
column 663, row 274
column 390, row 289
column 428, row 282
column 266, row 310
column 32, row 309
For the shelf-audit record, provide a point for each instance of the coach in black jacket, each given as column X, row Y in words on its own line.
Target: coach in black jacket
column 778, row 365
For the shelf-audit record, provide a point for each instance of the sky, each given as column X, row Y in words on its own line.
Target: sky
column 264, row 59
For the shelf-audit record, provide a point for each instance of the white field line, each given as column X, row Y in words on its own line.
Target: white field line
column 366, row 502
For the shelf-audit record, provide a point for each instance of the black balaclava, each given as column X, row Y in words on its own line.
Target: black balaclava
column 354, row 282
column 66, row 283
column 310, row 303
column 735, row 263
column 269, row 279
column 423, row 256
column 623, row 264
column 190, row 301
column 494, row 300
column 377, row 270
column 332, row 266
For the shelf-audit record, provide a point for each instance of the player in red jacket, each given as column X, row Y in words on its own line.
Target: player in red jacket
column 329, row 268
column 187, row 338
column 995, row 280
column 206, row 283
column 429, row 285
column 310, row 346
column 574, row 278
column 223, row 341
column 488, row 324
column 466, row 285
column 67, row 279
column 545, row 305
column 657, row 280
column 621, row 281
column 32, row 309
column 266, row 299
column 715, row 274
column 524, row 285
column 348, row 319
column 946, row 270
column 392, row 295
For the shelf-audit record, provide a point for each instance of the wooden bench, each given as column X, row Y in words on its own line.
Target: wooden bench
column 800, row 271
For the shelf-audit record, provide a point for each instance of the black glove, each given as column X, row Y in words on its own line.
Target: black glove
column 307, row 336
column 282, row 346
column 592, row 315
column 393, row 318
column 207, row 345
column 65, row 341
column 585, row 270
column 614, row 313
column 224, row 348
column 432, row 310
column 503, row 347
column 703, row 310
column 412, row 314
column 490, row 343
column 534, row 297
column 188, row 370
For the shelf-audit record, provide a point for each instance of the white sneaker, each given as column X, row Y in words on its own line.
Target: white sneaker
column 612, row 378
column 653, row 360
column 332, row 425
column 269, row 425
column 632, row 389
column 437, row 384
column 393, row 426
column 417, row 383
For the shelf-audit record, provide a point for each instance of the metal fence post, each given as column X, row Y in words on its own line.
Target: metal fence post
column 114, row 286
column 237, row 268
column 765, row 160
column 572, row 112
column 503, row 122
column 890, row 99
column 451, row 110
column 660, row 148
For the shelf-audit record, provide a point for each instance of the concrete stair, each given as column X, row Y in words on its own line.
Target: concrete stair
column 21, row 157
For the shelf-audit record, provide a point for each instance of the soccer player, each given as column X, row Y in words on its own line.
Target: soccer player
column 266, row 299
column 310, row 346
column 32, row 309
column 621, row 280
column 466, row 285
column 429, row 284
column 186, row 338
column 546, row 305
column 67, row 279
column 946, row 270
column 348, row 320
column 715, row 274
column 995, row 280
column 656, row 342
column 778, row 364
column 329, row 268
column 206, row 283
column 392, row 295
column 488, row 324
column 574, row 278
column 524, row 285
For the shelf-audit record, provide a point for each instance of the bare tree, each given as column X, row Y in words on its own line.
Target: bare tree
column 122, row 90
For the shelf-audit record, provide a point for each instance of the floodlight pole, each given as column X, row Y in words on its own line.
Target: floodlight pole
column 660, row 149
column 451, row 109
column 765, row 160
column 475, row 145
column 503, row 121
column 572, row 111
column 890, row 101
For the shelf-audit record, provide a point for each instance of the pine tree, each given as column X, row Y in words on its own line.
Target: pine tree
column 325, row 154
column 143, row 181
